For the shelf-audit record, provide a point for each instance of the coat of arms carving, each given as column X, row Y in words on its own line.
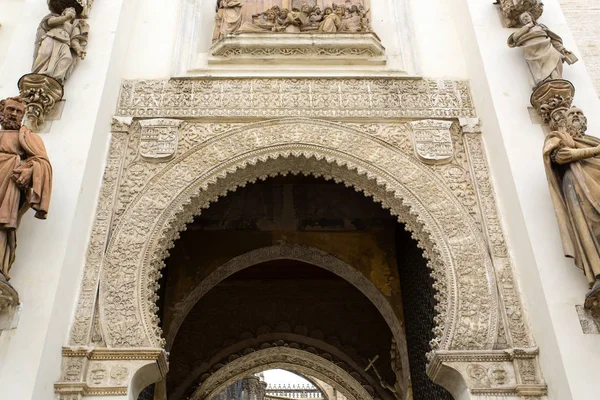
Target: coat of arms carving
column 433, row 141
column 159, row 138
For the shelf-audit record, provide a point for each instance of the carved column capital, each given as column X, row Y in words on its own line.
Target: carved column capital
column 514, row 374
column 107, row 372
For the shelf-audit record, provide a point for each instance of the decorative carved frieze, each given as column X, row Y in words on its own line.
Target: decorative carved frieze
column 316, row 48
column 104, row 372
column 306, row 97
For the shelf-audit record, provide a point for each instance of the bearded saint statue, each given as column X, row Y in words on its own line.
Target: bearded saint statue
column 572, row 165
column 25, row 178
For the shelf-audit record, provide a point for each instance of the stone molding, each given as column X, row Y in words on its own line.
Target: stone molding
column 301, row 48
column 302, row 97
column 450, row 208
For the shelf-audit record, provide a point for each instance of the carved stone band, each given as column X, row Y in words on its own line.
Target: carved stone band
column 300, row 48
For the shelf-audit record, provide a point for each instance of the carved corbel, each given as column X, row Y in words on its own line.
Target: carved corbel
column 40, row 94
column 108, row 372
column 512, row 10
column 551, row 96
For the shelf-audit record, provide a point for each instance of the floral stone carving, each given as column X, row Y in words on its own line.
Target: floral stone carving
column 450, row 208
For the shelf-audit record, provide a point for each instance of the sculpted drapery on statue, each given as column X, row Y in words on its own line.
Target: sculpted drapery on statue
column 321, row 16
column 542, row 48
column 572, row 161
column 25, row 179
column 60, row 41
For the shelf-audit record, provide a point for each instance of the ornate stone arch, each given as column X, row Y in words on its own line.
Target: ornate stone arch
column 458, row 256
column 293, row 360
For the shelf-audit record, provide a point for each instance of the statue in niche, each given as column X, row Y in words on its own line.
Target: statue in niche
column 572, row 165
column 25, row 179
column 60, row 41
column 230, row 13
column 543, row 49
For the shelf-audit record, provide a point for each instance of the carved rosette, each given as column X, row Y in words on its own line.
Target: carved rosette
column 512, row 9
column 40, row 94
column 551, row 96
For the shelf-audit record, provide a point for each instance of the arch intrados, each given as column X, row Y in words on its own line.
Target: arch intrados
column 191, row 182
column 306, row 254
column 293, row 360
column 241, row 345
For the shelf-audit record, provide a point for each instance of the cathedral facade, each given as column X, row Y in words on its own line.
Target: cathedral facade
column 394, row 199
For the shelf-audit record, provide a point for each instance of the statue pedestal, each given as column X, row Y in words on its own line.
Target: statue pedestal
column 552, row 95
column 40, row 94
column 9, row 305
column 299, row 48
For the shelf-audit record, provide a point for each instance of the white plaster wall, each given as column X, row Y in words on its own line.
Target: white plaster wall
column 159, row 31
column 583, row 17
column 50, row 256
column 551, row 284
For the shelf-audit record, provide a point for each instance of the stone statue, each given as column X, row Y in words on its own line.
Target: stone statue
column 298, row 19
column 230, row 12
column 572, row 166
column 543, row 49
column 331, row 22
column 25, row 179
column 60, row 41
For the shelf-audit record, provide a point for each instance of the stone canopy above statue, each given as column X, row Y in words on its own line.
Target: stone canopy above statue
column 314, row 31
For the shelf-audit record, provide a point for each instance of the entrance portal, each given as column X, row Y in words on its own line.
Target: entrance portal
column 302, row 274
